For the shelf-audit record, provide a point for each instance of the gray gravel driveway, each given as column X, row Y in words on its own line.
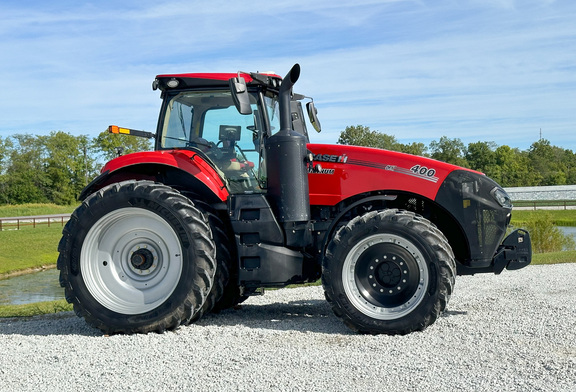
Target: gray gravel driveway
column 512, row 332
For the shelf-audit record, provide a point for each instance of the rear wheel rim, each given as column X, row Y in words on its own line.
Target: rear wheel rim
column 385, row 276
column 131, row 261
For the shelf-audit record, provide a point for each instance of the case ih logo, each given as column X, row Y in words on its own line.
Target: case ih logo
column 331, row 158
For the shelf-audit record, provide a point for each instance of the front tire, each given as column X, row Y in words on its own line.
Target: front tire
column 137, row 257
column 388, row 271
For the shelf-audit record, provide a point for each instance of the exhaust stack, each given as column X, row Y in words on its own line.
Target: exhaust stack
column 286, row 161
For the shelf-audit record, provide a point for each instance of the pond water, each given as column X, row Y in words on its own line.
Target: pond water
column 569, row 230
column 30, row 288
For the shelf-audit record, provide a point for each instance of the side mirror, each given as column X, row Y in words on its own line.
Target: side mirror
column 312, row 115
column 240, row 95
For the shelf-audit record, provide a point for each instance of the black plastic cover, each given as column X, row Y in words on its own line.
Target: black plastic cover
column 468, row 197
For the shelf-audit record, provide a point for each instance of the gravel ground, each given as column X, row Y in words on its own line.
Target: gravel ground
column 513, row 332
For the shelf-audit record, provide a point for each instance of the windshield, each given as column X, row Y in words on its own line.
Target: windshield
column 209, row 122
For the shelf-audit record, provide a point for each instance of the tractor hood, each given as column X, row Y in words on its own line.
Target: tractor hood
column 342, row 171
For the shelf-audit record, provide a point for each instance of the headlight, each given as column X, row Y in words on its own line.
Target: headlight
column 501, row 197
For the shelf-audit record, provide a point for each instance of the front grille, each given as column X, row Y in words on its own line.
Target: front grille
column 467, row 196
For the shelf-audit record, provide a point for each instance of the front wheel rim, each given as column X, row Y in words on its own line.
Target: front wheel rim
column 385, row 276
column 131, row 261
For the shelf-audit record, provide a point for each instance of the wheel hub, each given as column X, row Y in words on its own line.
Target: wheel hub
column 387, row 274
column 142, row 259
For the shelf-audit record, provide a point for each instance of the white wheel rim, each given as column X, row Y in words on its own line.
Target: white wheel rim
column 363, row 302
column 109, row 252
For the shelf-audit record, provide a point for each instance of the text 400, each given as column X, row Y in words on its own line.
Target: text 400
column 423, row 171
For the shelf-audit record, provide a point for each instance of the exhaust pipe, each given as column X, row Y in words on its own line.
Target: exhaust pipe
column 284, row 98
column 286, row 162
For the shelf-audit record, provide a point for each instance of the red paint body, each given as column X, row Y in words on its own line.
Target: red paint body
column 364, row 170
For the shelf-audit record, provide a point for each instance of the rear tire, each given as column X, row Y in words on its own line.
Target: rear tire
column 389, row 272
column 137, row 257
column 223, row 262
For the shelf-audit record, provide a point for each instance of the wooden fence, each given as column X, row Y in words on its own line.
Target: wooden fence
column 18, row 222
column 545, row 204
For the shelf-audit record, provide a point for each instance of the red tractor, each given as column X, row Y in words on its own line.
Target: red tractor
column 234, row 199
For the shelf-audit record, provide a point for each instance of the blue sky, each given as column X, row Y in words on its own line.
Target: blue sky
column 478, row 70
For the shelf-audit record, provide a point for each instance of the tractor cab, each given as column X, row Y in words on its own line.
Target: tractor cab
column 209, row 120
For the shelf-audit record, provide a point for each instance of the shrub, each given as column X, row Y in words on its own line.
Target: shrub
column 548, row 238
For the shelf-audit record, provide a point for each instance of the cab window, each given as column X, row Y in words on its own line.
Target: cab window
column 208, row 121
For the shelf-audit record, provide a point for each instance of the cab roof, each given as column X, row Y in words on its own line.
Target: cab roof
column 194, row 80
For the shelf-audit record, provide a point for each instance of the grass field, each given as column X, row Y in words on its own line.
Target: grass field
column 35, row 309
column 29, row 248
column 557, row 217
column 33, row 209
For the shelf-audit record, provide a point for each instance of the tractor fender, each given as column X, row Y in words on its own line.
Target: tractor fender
column 442, row 218
column 184, row 169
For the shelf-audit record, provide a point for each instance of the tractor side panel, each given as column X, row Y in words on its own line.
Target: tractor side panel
column 350, row 170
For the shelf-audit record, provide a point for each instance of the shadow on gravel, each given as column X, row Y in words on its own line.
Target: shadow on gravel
column 59, row 324
column 303, row 316
column 299, row 316
column 448, row 313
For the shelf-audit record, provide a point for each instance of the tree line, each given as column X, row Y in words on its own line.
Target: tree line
column 541, row 164
column 55, row 168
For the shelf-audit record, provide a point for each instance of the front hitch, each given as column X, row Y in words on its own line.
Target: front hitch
column 514, row 253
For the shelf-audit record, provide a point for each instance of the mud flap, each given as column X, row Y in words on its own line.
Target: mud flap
column 514, row 253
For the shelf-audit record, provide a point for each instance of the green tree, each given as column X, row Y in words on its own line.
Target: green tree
column 68, row 166
column 449, row 150
column 25, row 179
column 413, row 148
column 549, row 161
column 569, row 159
column 360, row 135
column 513, row 168
column 107, row 144
column 5, row 147
column 481, row 155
